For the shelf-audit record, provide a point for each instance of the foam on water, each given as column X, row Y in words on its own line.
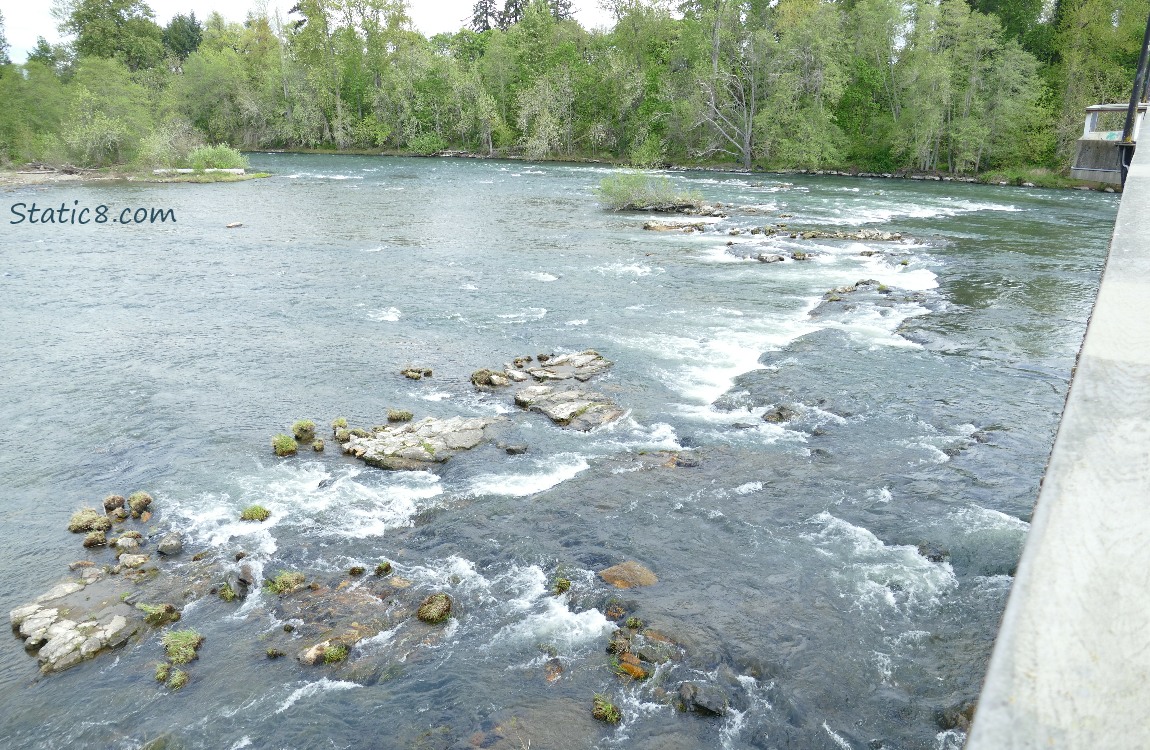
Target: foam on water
column 581, row 322
column 547, row 473
column 894, row 576
column 627, row 269
column 837, row 738
column 524, row 314
column 541, row 276
column 313, row 688
column 542, row 618
column 390, row 315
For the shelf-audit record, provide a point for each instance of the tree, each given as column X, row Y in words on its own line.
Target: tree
column 484, row 16
column 122, row 29
column 4, row 60
column 182, row 35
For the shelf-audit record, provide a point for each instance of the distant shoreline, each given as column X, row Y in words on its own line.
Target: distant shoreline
column 1037, row 178
column 21, row 178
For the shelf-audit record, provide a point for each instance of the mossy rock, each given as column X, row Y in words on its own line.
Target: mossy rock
column 159, row 614
column 95, row 539
column 284, row 445
column 359, row 432
column 181, row 645
column 335, row 654
column 255, row 513
column 383, row 569
column 304, row 430
column 88, row 519
column 111, row 502
column 275, row 653
column 162, row 672
column 435, row 609
column 356, row 570
column 339, row 423
column 285, row 582
column 317, row 446
column 342, row 435
column 227, row 593
column 399, row 415
column 138, row 503
column 604, row 710
column 561, row 586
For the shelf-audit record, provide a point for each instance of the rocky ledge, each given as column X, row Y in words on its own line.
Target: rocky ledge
column 561, row 401
column 414, row 446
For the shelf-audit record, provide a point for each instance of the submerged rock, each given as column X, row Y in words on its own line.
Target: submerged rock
column 171, row 543
column 413, row 446
column 703, row 698
column 629, row 574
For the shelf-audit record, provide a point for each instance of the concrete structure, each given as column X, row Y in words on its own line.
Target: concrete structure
column 1097, row 155
column 1071, row 665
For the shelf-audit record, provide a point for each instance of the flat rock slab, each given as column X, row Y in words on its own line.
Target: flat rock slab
column 572, row 408
column 414, row 446
column 74, row 621
column 627, row 575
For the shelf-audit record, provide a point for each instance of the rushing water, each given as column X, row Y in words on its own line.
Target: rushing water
column 165, row 356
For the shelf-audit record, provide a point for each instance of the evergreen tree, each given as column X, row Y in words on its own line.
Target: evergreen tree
column 484, row 16
column 561, row 9
column 182, row 35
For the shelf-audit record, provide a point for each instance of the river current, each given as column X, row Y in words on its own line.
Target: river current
column 838, row 575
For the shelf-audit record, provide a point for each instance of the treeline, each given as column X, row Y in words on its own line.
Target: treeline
column 947, row 85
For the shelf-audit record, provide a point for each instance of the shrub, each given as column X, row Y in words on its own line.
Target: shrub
column 426, row 144
column 220, row 156
column 637, row 191
column 170, row 145
column 399, row 415
column 255, row 513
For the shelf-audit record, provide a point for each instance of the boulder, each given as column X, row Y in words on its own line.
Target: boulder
column 171, row 543
column 88, row 519
column 703, row 698
column 629, row 574
column 435, row 608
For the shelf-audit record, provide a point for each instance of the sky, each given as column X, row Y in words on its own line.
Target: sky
column 24, row 20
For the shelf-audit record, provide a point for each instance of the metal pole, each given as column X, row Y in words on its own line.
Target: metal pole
column 1139, row 81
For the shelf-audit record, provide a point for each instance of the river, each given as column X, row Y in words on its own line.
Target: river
column 838, row 575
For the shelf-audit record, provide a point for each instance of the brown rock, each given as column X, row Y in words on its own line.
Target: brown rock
column 629, row 574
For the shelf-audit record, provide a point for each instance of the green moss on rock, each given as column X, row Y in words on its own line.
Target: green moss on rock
column 435, row 608
column 255, row 513
column 284, row 445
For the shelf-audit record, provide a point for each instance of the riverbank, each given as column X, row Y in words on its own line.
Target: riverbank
column 67, row 175
column 1039, row 177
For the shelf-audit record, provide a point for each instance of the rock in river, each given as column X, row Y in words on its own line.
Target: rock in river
column 629, row 574
column 575, row 408
column 413, row 446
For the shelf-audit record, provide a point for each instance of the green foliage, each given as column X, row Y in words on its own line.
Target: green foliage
column 426, row 144
column 399, row 415
column 604, row 710
column 177, row 680
column 638, row 191
column 162, row 671
column 339, row 423
column 961, row 86
column 218, row 157
column 182, row 35
column 227, row 593
column 285, row 582
column 334, row 654
column 255, row 513
column 284, row 445
column 181, row 645
column 4, row 59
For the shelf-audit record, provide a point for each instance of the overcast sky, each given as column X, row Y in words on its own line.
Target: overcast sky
column 24, row 20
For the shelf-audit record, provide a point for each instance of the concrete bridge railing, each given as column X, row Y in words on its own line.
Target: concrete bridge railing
column 1071, row 665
